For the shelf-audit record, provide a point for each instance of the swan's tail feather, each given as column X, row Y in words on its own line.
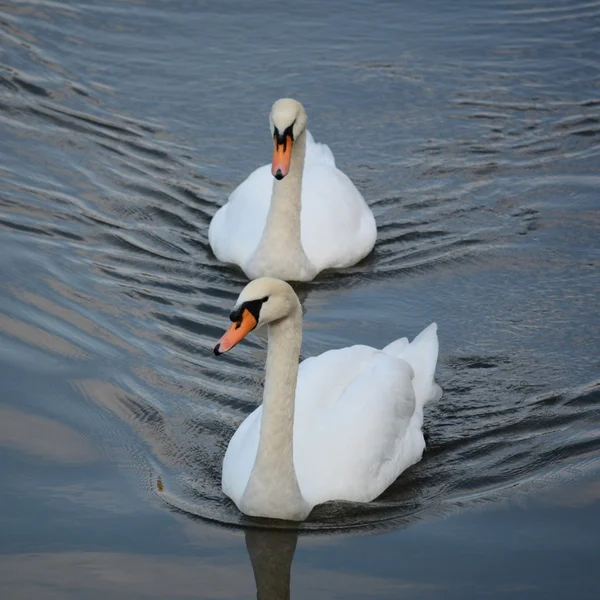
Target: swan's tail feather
column 422, row 354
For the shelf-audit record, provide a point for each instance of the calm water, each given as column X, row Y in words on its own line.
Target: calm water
column 472, row 129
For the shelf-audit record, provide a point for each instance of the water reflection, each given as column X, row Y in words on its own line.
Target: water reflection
column 271, row 554
column 43, row 438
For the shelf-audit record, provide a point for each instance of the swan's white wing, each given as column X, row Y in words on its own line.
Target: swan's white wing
column 237, row 227
column 338, row 228
column 396, row 347
column 240, row 455
column 422, row 354
column 354, row 446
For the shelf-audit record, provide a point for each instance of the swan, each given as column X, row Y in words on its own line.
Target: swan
column 295, row 217
column 341, row 426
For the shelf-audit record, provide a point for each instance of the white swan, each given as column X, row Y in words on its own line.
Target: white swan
column 342, row 426
column 295, row 217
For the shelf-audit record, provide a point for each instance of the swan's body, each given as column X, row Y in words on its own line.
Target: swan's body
column 345, row 431
column 297, row 224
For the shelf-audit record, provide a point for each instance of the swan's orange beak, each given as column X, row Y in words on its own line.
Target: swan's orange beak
column 236, row 333
column 282, row 156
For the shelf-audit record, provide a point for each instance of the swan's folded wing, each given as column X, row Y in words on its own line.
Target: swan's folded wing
column 422, row 354
column 322, row 379
column 237, row 227
column 240, row 456
column 338, row 228
column 354, row 447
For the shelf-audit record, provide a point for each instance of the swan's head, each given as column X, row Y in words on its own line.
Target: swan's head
column 288, row 120
column 262, row 301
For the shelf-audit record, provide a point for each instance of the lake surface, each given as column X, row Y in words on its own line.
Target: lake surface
column 473, row 131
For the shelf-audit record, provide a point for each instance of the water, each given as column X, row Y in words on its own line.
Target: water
column 473, row 131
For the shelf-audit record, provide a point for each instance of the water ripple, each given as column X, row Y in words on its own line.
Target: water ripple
column 479, row 161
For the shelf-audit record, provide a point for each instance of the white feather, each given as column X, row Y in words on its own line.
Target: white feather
column 337, row 227
column 357, row 421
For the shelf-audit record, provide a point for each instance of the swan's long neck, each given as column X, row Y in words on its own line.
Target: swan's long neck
column 283, row 220
column 273, row 488
column 280, row 253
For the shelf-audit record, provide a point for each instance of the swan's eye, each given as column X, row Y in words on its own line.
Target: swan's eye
column 236, row 314
column 253, row 306
column 281, row 137
column 290, row 131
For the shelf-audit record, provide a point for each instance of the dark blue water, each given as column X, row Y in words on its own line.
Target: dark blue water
column 473, row 131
